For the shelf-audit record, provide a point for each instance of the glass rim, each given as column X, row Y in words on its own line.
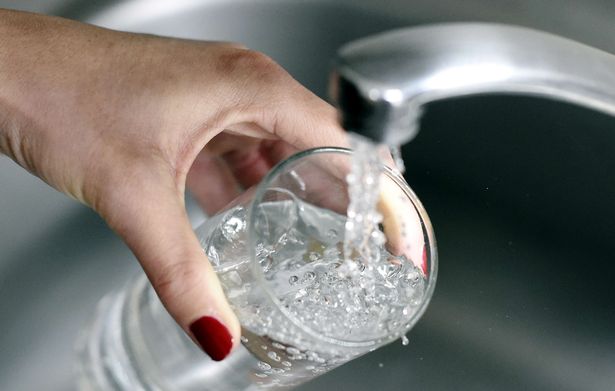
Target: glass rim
column 427, row 229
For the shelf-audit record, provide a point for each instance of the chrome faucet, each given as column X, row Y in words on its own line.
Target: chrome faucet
column 380, row 83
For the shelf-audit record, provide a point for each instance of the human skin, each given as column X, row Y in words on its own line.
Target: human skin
column 124, row 123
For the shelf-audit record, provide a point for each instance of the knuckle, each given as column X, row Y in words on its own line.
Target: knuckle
column 252, row 64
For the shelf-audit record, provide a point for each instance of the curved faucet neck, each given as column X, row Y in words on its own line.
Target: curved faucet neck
column 381, row 82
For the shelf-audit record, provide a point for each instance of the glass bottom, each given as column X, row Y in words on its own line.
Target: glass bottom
column 133, row 344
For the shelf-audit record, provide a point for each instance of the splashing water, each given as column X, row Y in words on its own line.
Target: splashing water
column 363, row 239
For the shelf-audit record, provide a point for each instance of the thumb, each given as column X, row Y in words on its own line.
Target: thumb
column 158, row 232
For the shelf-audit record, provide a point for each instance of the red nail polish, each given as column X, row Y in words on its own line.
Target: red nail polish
column 213, row 337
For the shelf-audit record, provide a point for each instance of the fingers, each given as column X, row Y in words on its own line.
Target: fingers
column 306, row 121
column 272, row 101
column 401, row 223
column 158, row 232
column 248, row 165
column 211, row 183
column 248, row 158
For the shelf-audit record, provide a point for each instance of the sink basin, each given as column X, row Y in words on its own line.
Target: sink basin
column 520, row 192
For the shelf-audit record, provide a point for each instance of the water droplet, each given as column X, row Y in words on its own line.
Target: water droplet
column 292, row 280
column 263, row 366
column 261, row 375
column 300, row 293
column 266, row 263
column 308, row 277
column 404, row 340
column 283, row 239
column 232, row 227
column 274, row 356
column 293, row 351
column 413, row 276
column 393, row 325
column 380, row 365
column 378, row 238
column 311, row 355
column 278, row 345
column 287, row 364
column 313, row 257
column 213, row 256
column 243, row 339
column 262, row 251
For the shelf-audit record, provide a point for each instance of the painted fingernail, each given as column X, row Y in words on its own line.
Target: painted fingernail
column 213, row 337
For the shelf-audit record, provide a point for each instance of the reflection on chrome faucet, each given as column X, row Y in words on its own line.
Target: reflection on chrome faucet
column 380, row 83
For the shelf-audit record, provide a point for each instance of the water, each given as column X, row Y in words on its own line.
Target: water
column 363, row 240
column 300, row 251
column 397, row 158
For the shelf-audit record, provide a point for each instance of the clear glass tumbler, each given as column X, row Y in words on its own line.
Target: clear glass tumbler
column 277, row 250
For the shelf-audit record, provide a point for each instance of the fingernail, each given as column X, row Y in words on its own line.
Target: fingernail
column 213, row 337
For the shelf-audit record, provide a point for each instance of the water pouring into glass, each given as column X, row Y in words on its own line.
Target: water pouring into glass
column 281, row 254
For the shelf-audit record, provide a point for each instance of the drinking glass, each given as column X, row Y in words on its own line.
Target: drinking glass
column 277, row 250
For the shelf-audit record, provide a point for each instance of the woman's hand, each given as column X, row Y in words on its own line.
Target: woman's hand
column 122, row 122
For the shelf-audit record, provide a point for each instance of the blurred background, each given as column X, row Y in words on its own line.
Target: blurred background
column 521, row 193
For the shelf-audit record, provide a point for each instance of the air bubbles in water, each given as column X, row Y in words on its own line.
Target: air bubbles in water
column 213, row 256
column 313, row 257
column 308, row 277
column 232, row 227
column 274, row 356
column 404, row 340
column 266, row 263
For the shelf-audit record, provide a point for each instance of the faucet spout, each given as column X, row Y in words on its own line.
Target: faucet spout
column 380, row 83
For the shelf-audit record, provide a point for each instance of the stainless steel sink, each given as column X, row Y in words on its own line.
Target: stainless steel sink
column 520, row 190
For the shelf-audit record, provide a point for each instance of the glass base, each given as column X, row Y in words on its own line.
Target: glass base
column 133, row 344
